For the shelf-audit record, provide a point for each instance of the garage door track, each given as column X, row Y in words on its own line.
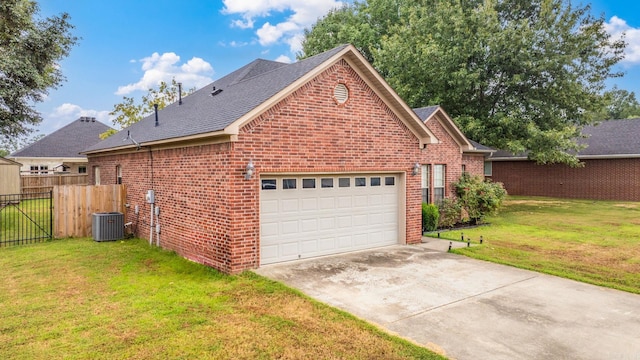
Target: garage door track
column 470, row 309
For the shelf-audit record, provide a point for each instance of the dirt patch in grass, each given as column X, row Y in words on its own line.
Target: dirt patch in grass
column 536, row 202
column 628, row 205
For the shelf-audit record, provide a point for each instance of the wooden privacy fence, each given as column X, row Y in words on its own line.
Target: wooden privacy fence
column 73, row 206
column 43, row 183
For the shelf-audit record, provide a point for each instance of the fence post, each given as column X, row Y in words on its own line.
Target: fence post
column 50, row 214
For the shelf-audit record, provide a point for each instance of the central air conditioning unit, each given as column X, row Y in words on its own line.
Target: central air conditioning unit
column 107, row 226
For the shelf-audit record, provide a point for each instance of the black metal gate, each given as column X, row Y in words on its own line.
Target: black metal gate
column 26, row 218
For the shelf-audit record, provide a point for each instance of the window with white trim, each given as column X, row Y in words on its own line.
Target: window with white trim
column 438, row 183
column 426, row 181
column 119, row 174
column 488, row 168
column 96, row 175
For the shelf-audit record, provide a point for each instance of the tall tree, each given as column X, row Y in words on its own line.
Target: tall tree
column 16, row 143
column 129, row 111
column 519, row 75
column 622, row 105
column 30, row 50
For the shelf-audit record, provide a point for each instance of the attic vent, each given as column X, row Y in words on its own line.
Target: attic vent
column 341, row 93
column 215, row 91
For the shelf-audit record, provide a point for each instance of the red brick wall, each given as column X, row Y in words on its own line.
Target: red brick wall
column 191, row 188
column 607, row 179
column 446, row 152
column 474, row 164
column 210, row 213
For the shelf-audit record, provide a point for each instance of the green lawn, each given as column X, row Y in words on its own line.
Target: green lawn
column 26, row 219
column 78, row 299
column 591, row 241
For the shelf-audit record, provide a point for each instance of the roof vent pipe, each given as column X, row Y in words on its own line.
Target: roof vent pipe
column 155, row 106
column 179, row 93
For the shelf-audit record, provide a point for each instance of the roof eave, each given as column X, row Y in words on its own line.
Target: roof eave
column 441, row 116
column 198, row 139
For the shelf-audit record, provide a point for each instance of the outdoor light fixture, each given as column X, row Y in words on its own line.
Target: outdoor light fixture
column 249, row 170
column 416, row 169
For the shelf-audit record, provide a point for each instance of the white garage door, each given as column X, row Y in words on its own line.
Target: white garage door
column 307, row 216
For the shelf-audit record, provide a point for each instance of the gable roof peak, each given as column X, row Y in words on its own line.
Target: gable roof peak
column 67, row 141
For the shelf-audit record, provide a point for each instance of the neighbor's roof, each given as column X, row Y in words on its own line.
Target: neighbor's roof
column 609, row 139
column 244, row 94
column 66, row 142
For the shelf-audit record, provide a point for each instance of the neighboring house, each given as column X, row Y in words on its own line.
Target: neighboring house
column 9, row 177
column 59, row 152
column 277, row 162
column 449, row 157
column 611, row 168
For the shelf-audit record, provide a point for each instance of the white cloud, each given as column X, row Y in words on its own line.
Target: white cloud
column 269, row 34
column 303, row 14
column 617, row 28
column 194, row 73
column 284, row 59
column 66, row 113
column 69, row 111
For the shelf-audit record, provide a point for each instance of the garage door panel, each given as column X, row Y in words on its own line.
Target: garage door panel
column 344, row 221
column 289, row 205
column 360, row 220
column 289, row 227
column 269, row 229
column 327, row 223
column 375, row 200
column 327, row 203
column 269, row 206
column 301, row 223
column 309, row 204
column 344, row 242
column 344, row 202
column 309, row 225
column 360, row 201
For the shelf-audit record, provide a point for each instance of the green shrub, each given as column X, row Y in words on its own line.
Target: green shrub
column 430, row 216
column 450, row 213
column 478, row 197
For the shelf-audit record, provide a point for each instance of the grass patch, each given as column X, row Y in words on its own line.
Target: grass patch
column 597, row 242
column 25, row 219
column 78, row 299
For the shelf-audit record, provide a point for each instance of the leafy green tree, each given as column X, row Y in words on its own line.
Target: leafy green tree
column 18, row 142
column 518, row 75
column 622, row 105
column 30, row 50
column 129, row 111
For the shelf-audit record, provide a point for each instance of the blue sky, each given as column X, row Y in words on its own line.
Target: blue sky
column 129, row 46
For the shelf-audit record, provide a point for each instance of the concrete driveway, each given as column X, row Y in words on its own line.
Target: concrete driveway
column 470, row 309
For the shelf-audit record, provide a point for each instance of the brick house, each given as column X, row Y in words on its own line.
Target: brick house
column 611, row 168
column 449, row 157
column 59, row 152
column 277, row 162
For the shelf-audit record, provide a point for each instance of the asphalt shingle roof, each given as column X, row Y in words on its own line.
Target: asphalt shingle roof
column 614, row 137
column 424, row 112
column 609, row 138
column 67, row 141
column 200, row 112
